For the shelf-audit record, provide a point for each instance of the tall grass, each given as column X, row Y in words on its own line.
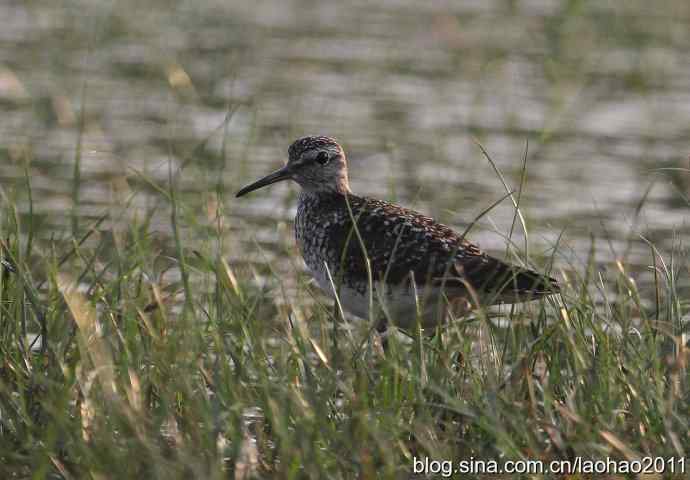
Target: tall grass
column 136, row 359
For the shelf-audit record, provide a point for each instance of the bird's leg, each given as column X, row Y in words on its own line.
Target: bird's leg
column 383, row 332
column 336, row 318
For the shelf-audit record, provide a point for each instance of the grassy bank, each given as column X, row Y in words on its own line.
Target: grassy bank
column 128, row 356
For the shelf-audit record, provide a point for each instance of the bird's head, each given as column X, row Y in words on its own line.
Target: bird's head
column 316, row 163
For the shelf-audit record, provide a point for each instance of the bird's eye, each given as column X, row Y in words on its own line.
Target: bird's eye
column 322, row 158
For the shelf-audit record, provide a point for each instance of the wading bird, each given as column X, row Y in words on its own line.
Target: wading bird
column 361, row 248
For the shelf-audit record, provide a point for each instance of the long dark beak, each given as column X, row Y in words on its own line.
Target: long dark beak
column 282, row 174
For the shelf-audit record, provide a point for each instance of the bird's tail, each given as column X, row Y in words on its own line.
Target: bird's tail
column 498, row 282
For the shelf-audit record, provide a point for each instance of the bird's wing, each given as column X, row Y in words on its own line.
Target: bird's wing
column 397, row 241
column 400, row 243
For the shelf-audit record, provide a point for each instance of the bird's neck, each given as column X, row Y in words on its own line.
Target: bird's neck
column 310, row 195
column 340, row 188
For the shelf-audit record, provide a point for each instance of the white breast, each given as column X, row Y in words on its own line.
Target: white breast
column 351, row 300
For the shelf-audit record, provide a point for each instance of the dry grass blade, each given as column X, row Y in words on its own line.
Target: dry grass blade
column 619, row 445
column 91, row 343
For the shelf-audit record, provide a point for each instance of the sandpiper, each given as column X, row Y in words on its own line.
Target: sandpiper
column 414, row 268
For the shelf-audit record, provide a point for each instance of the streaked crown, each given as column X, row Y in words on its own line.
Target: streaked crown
column 311, row 142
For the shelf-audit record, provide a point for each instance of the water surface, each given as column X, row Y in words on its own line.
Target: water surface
column 600, row 91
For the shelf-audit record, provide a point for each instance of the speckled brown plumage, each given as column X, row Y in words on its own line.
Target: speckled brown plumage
column 399, row 243
column 409, row 254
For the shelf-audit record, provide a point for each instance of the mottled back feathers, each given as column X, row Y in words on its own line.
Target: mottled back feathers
column 402, row 244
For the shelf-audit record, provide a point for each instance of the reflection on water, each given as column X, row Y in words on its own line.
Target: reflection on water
column 408, row 87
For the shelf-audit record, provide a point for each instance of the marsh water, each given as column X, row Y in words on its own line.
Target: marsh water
column 595, row 96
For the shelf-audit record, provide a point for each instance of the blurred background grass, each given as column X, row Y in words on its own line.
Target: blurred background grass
column 182, row 336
